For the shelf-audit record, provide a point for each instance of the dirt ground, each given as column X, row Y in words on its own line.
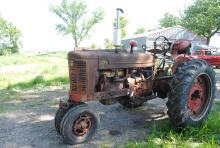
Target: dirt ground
column 29, row 121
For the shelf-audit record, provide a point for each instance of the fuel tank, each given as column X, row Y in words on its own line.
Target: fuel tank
column 108, row 59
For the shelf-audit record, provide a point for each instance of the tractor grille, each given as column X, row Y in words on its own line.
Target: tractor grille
column 78, row 75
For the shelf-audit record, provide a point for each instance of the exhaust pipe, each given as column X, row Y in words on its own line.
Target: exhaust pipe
column 117, row 30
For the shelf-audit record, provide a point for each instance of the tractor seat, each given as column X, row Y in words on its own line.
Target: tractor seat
column 181, row 46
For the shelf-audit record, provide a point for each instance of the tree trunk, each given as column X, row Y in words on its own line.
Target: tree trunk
column 208, row 40
column 75, row 42
column 76, row 45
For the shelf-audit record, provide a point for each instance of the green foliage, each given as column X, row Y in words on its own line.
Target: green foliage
column 40, row 81
column 123, row 22
column 26, row 71
column 203, row 17
column 2, row 109
column 108, row 44
column 169, row 20
column 20, row 59
column 140, row 30
column 9, row 38
column 74, row 21
column 8, row 95
column 206, row 135
column 94, row 46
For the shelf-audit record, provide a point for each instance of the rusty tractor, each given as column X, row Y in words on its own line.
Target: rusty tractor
column 132, row 78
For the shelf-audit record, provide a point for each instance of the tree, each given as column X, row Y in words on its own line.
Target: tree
column 94, row 46
column 123, row 22
column 140, row 30
column 203, row 17
column 108, row 44
column 74, row 21
column 9, row 38
column 169, row 20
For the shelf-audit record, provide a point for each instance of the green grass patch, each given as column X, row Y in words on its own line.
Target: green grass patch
column 2, row 109
column 18, row 59
column 26, row 71
column 39, row 81
column 162, row 135
column 217, row 103
column 8, row 95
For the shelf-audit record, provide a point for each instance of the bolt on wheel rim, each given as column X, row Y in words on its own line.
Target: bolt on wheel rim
column 82, row 125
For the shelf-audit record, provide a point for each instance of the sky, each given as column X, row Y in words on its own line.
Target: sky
column 37, row 23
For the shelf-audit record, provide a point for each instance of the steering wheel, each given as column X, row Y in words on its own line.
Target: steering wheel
column 162, row 42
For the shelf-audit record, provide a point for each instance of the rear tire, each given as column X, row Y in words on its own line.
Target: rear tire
column 192, row 93
column 79, row 124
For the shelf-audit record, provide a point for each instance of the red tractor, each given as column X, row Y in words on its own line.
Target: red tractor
column 207, row 53
column 132, row 78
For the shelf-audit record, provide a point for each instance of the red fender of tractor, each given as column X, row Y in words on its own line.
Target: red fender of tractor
column 180, row 51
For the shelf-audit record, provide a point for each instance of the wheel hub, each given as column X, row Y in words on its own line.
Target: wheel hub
column 82, row 125
column 196, row 97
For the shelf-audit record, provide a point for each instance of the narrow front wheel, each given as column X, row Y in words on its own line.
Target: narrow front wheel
column 79, row 124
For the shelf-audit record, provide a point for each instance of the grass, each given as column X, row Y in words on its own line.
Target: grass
column 20, row 59
column 205, row 136
column 7, row 95
column 50, row 69
column 28, row 71
column 33, row 71
column 2, row 109
column 39, row 81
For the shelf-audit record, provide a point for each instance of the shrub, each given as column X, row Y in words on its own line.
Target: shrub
column 9, row 38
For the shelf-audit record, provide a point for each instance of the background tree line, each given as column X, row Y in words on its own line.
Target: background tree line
column 9, row 37
column 202, row 17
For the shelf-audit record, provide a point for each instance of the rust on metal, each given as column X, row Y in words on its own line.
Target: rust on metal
column 84, row 67
column 181, row 46
column 196, row 97
column 82, row 125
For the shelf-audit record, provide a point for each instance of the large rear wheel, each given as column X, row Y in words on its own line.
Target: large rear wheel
column 192, row 92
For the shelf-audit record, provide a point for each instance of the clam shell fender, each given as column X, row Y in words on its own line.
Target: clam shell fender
column 179, row 60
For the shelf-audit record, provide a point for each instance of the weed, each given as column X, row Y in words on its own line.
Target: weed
column 39, row 81
column 207, row 135
column 25, row 71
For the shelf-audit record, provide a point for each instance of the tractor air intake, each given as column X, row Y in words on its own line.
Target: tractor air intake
column 117, row 30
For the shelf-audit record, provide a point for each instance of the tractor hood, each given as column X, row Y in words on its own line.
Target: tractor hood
column 106, row 59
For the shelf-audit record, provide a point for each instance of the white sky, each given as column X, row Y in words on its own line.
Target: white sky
column 37, row 23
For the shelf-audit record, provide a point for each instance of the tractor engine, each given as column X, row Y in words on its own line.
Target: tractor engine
column 104, row 75
column 137, row 81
